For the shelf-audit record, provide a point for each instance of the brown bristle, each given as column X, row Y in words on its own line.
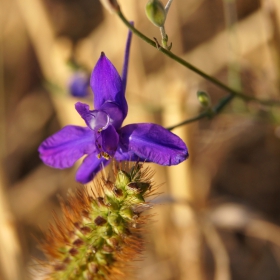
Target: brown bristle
column 100, row 221
column 85, row 230
column 93, row 268
column 134, row 186
column 85, row 214
column 100, row 232
column 100, row 201
column 78, row 242
column 59, row 267
column 117, row 192
column 73, row 251
column 108, row 249
column 76, row 225
column 67, row 260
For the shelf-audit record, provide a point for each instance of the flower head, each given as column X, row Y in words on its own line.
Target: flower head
column 103, row 138
column 100, row 232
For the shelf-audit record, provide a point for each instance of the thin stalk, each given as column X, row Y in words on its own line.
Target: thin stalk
column 193, row 68
column 168, row 6
column 162, row 33
column 223, row 102
column 210, row 113
column 2, row 101
column 194, row 119
column 231, row 19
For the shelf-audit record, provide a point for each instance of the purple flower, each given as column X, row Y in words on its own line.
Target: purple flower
column 78, row 84
column 103, row 138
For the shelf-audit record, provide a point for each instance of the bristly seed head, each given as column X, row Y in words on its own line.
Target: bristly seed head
column 100, row 233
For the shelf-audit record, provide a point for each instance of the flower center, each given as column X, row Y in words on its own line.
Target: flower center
column 98, row 143
column 106, row 142
column 99, row 121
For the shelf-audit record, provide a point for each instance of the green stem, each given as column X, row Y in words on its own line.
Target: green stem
column 210, row 113
column 223, row 102
column 193, row 68
column 194, row 119
column 168, row 6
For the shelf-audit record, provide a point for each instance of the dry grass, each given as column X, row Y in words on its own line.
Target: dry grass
column 234, row 158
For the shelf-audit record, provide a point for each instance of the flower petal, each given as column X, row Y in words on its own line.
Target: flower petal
column 107, row 85
column 114, row 112
column 123, row 155
column 95, row 119
column 90, row 167
column 110, row 140
column 62, row 149
column 107, row 141
column 109, row 113
column 151, row 143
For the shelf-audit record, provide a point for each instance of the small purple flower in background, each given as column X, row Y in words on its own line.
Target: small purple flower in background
column 78, row 84
column 104, row 138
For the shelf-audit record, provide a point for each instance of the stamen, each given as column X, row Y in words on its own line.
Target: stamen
column 105, row 155
column 101, row 151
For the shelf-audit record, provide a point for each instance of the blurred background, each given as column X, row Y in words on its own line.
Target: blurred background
column 219, row 212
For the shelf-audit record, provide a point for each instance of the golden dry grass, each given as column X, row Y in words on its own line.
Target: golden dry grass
column 218, row 217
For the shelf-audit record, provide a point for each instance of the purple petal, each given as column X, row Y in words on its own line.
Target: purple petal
column 110, row 140
column 107, row 141
column 126, row 59
column 151, row 143
column 107, row 85
column 90, row 167
column 114, row 112
column 109, row 113
column 95, row 119
column 62, row 149
column 123, row 155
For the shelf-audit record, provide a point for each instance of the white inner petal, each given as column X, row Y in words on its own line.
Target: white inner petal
column 100, row 120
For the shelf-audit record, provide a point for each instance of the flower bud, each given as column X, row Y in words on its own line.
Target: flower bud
column 204, row 99
column 79, row 84
column 156, row 13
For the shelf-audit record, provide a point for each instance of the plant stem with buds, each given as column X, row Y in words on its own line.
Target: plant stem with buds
column 188, row 65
